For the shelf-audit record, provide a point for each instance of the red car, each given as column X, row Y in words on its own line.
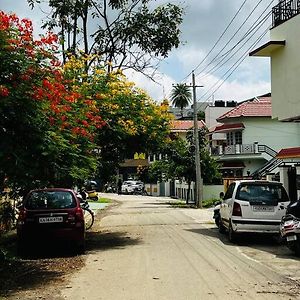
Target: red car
column 51, row 214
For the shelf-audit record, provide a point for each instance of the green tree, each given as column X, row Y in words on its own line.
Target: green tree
column 127, row 33
column 180, row 161
column 181, row 96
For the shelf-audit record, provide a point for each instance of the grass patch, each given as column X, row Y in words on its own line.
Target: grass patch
column 205, row 203
column 101, row 200
column 209, row 203
column 180, row 204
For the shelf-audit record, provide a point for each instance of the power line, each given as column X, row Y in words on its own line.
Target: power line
column 221, row 63
column 236, row 65
column 216, row 43
column 252, row 28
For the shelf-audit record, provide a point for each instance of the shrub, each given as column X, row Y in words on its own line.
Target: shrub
column 6, row 216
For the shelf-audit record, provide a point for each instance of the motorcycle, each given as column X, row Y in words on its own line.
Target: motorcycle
column 217, row 209
column 89, row 195
column 290, row 227
column 216, row 215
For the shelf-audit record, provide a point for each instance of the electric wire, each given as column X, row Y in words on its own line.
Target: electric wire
column 236, row 32
column 234, row 66
column 221, row 58
column 221, row 63
column 218, row 40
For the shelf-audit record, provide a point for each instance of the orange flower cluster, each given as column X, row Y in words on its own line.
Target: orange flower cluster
column 66, row 108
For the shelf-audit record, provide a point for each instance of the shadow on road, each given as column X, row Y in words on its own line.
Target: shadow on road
column 109, row 240
column 46, row 263
column 262, row 242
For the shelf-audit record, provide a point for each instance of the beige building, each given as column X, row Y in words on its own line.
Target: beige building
column 283, row 49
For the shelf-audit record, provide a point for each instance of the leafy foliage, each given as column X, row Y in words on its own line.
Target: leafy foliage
column 180, row 161
column 128, row 33
column 58, row 126
column 181, row 96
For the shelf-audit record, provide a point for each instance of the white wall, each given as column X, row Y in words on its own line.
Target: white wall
column 209, row 191
column 212, row 113
column 285, row 70
column 277, row 135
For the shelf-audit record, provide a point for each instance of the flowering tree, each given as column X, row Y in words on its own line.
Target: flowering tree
column 46, row 126
column 132, row 121
column 53, row 117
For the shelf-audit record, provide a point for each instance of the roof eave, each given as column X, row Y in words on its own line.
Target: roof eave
column 267, row 49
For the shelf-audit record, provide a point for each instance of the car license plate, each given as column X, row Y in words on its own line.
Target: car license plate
column 263, row 208
column 291, row 238
column 51, row 220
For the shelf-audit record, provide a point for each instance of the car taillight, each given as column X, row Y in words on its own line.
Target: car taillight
column 79, row 214
column 237, row 210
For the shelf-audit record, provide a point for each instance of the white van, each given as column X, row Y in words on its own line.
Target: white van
column 252, row 206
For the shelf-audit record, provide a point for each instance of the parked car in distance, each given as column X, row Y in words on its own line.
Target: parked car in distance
column 52, row 214
column 252, row 206
column 130, row 186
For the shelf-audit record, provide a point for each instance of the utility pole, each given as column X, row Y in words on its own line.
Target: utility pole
column 199, row 185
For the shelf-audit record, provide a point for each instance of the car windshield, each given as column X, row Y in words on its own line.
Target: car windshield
column 266, row 193
column 50, row 200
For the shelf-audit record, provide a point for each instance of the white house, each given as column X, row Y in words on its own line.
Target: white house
column 253, row 139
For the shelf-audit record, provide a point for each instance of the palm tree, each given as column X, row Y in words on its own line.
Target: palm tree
column 181, row 96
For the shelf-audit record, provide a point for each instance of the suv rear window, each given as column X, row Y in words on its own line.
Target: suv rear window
column 50, row 200
column 258, row 193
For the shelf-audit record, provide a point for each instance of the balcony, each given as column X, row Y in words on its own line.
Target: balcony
column 285, row 10
column 242, row 149
column 237, row 149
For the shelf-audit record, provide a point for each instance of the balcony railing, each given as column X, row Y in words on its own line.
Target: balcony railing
column 242, row 149
column 235, row 149
column 285, row 10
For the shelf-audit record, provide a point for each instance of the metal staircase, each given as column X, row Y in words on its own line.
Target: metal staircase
column 270, row 165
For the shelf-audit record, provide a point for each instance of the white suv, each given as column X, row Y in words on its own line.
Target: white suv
column 252, row 206
column 130, row 186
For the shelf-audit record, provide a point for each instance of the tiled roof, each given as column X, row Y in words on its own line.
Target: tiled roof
column 228, row 127
column 289, row 153
column 178, row 125
column 257, row 107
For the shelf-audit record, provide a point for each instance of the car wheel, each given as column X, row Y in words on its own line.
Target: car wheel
column 232, row 235
column 222, row 228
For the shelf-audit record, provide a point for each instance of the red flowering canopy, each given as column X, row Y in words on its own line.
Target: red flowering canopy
column 47, row 126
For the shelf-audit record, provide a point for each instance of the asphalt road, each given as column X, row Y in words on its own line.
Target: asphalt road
column 151, row 250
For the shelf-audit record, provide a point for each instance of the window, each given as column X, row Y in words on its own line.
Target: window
column 234, row 138
column 229, row 137
column 229, row 191
column 265, row 193
column 238, row 137
column 50, row 200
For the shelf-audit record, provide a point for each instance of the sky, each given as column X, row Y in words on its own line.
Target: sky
column 216, row 37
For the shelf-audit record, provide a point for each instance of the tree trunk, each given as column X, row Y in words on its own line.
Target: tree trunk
column 188, row 192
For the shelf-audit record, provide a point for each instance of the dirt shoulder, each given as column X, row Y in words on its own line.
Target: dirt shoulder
column 42, row 275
